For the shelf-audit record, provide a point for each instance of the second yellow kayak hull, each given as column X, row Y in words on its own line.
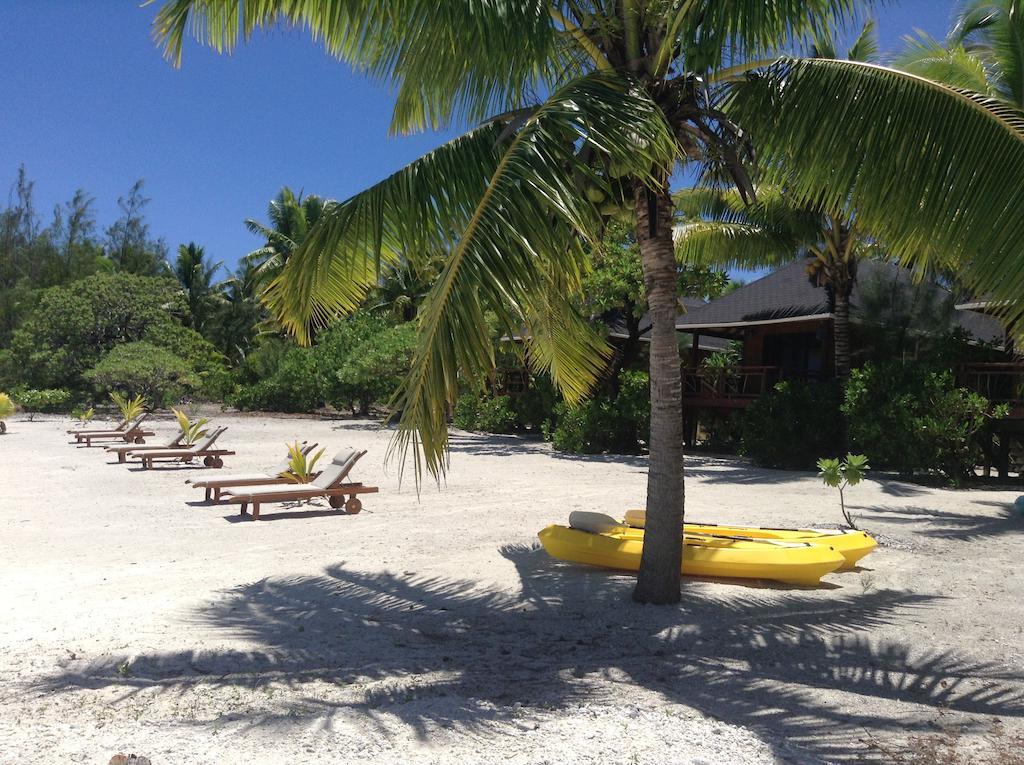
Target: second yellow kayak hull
column 851, row 543
column 792, row 563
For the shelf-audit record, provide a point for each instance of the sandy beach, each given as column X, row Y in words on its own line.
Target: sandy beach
column 432, row 629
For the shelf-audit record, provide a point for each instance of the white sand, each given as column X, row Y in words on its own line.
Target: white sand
column 138, row 619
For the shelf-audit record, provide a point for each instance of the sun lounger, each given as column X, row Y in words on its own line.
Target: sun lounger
column 131, row 434
column 123, row 451
column 211, row 457
column 214, row 486
column 119, row 428
column 329, row 485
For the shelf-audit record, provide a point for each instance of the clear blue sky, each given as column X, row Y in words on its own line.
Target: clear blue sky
column 87, row 101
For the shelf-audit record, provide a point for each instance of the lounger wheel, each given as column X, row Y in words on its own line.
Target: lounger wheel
column 337, row 502
column 140, row 440
column 218, row 462
column 353, row 506
column 208, row 461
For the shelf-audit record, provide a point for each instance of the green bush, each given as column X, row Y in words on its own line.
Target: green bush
column 141, row 368
column 294, row 386
column 621, row 425
column 373, row 370
column 211, row 377
column 793, row 425
column 47, row 400
column 913, row 419
column 484, row 413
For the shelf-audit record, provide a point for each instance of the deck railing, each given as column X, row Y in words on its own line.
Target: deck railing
column 737, row 386
column 1000, row 383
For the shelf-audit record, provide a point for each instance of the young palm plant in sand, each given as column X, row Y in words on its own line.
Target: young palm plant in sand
column 301, row 466
column 841, row 475
column 130, row 408
column 191, row 430
column 584, row 108
column 7, row 408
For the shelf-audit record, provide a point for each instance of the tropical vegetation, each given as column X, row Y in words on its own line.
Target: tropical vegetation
column 632, row 91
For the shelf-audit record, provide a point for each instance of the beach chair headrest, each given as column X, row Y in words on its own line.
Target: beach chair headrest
column 595, row 523
column 339, row 468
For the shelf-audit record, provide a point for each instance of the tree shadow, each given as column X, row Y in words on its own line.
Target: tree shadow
column 942, row 524
column 432, row 652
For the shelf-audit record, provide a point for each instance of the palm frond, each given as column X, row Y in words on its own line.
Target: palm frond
column 463, row 59
column 953, row 66
column 926, row 168
column 732, row 245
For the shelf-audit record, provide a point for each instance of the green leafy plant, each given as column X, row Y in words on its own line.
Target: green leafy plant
column 130, row 407
column 301, row 465
column 792, row 424
column 84, row 416
column 720, row 365
column 619, row 424
column 46, row 400
column 191, row 431
column 843, row 474
column 7, row 408
column 914, row 419
column 154, row 373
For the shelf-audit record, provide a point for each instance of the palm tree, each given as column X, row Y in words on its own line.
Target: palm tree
column 724, row 230
column 240, row 313
column 632, row 90
column 196, row 278
column 983, row 52
column 718, row 229
column 291, row 218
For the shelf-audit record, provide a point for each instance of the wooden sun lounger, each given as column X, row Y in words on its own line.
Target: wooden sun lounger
column 123, row 451
column 214, row 486
column 132, row 434
column 330, row 485
column 119, row 428
column 211, row 457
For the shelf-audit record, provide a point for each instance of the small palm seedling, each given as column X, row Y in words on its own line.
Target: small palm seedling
column 84, row 416
column 301, row 465
column 191, row 430
column 7, row 408
column 130, row 407
column 842, row 474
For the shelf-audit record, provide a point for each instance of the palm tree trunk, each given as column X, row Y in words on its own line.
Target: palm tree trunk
column 658, row 581
column 842, row 334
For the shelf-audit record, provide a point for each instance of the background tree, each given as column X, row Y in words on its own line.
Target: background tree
column 983, row 52
column 128, row 242
column 633, row 89
column 613, row 291
column 291, row 217
column 196, row 278
column 719, row 229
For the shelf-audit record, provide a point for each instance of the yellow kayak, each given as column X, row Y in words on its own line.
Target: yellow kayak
column 852, row 544
column 619, row 547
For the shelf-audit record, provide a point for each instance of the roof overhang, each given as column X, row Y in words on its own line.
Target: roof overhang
column 752, row 322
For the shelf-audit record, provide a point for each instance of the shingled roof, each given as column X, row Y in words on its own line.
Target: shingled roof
column 787, row 295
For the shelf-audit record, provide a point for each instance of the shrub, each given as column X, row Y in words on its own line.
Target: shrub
column 47, row 400
column 913, row 418
column 141, row 368
column 211, row 377
column 76, row 324
column 602, row 424
column 294, row 386
column 374, row 370
column 484, row 413
column 792, row 425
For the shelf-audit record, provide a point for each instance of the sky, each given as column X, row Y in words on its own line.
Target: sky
column 87, row 101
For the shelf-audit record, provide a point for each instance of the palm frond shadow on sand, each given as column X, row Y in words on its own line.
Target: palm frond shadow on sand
column 440, row 652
